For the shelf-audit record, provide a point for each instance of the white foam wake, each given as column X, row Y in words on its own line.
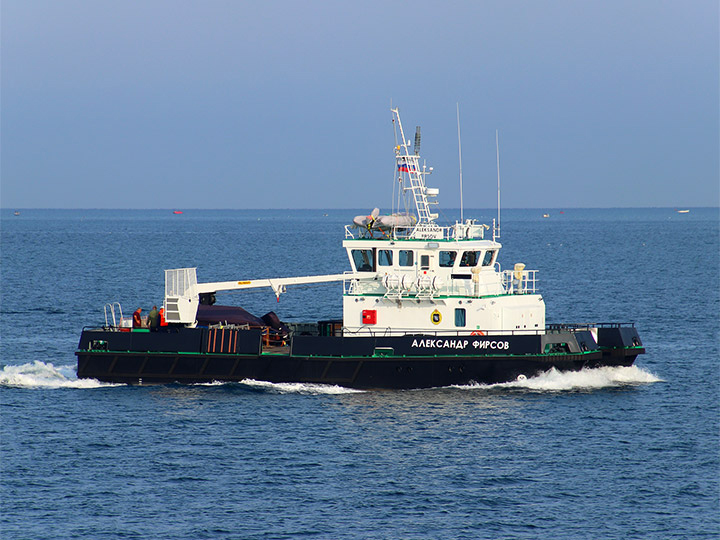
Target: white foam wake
column 45, row 375
column 299, row 388
column 585, row 379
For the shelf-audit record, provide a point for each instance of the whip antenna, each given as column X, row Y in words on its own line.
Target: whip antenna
column 496, row 233
column 460, row 159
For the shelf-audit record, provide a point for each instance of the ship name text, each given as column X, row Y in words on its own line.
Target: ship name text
column 459, row 344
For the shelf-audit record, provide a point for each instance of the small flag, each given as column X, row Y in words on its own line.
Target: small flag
column 404, row 166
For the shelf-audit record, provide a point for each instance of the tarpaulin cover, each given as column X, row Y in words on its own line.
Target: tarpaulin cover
column 227, row 314
column 273, row 321
column 207, row 315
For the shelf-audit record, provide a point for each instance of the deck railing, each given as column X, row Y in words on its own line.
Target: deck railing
column 421, row 231
column 519, row 282
column 466, row 333
column 410, row 285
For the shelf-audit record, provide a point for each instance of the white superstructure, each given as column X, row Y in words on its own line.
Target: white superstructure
column 432, row 278
column 408, row 274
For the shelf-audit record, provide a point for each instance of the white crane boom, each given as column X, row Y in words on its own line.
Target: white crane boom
column 276, row 284
column 182, row 291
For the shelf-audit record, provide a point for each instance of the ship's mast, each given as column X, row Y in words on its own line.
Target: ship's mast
column 412, row 175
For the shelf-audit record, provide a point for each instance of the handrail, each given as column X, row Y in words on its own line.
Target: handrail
column 469, row 333
column 526, row 284
column 550, row 328
column 112, row 305
column 580, row 326
column 422, row 231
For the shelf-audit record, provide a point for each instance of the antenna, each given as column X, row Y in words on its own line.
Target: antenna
column 460, row 159
column 395, row 175
column 417, row 140
column 497, row 153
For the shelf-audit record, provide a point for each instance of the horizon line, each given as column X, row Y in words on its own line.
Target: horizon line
column 187, row 209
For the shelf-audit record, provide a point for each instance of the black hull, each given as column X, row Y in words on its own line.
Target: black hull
column 363, row 373
column 363, row 363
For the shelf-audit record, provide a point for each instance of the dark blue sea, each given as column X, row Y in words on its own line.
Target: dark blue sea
column 608, row 453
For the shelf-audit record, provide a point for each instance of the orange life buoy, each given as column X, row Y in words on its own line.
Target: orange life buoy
column 477, row 333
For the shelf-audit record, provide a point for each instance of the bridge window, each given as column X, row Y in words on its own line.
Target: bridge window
column 363, row 259
column 447, row 258
column 405, row 257
column 489, row 257
column 470, row 258
column 385, row 257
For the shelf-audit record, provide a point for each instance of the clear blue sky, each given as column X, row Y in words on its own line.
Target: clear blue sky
column 285, row 104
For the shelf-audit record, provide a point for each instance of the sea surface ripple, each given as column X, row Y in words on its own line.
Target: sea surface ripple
column 611, row 453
